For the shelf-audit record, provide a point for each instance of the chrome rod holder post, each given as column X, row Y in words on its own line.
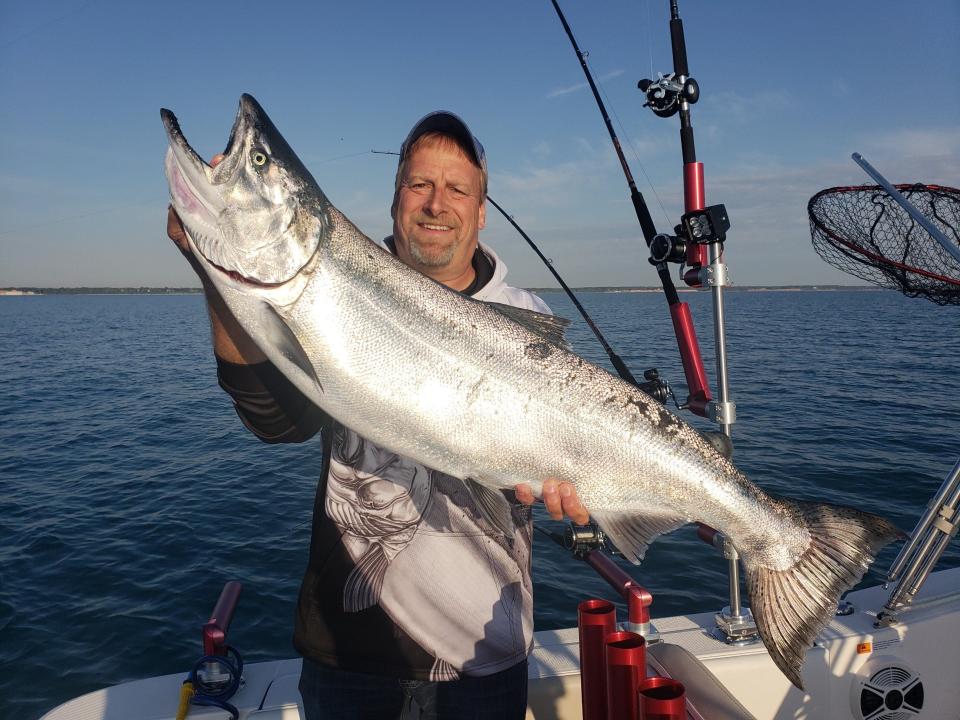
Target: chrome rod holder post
column 938, row 526
column 919, row 532
column 733, row 621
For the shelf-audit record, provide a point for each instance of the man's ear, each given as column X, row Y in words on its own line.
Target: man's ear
column 482, row 215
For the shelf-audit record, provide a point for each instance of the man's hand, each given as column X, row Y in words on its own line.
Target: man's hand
column 560, row 499
column 176, row 232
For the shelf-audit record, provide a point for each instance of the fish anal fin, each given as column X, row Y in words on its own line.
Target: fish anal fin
column 632, row 532
column 550, row 327
column 493, row 505
column 363, row 586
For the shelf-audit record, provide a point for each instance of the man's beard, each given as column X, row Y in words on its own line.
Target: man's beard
column 433, row 258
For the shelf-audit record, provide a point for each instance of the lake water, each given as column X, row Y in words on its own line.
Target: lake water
column 129, row 491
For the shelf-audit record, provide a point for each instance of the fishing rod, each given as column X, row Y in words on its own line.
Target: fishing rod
column 653, row 386
column 696, row 244
column 663, row 248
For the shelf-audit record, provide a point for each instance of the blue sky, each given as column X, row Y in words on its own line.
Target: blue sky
column 789, row 90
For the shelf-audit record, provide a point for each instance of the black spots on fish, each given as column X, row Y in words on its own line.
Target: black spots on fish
column 668, row 422
column 638, row 404
column 538, row 350
column 656, row 414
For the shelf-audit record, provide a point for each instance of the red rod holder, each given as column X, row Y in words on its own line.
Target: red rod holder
column 637, row 598
column 694, row 199
column 596, row 619
column 215, row 629
column 706, row 533
column 626, row 667
column 662, row 699
column 693, row 370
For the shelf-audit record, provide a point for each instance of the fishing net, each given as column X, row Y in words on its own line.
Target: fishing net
column 863, row 231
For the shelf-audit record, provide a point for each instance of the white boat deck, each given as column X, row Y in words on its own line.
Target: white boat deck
column 723, row 682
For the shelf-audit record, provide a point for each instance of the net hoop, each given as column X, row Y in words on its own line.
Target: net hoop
column 861, row 230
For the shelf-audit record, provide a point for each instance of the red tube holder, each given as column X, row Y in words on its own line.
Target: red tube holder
column 215, row 629
column 626, row 666
column 636, row 596
column 596, row 619
column 662, row 698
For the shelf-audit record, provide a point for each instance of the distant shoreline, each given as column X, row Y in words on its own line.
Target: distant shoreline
column 32, row 291
column 731, row 288
column 21, row 291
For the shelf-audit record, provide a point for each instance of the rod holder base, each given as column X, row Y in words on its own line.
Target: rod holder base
column 736, row 629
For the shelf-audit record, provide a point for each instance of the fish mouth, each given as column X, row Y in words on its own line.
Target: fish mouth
column 192, row 166
column 249, row 226
column 195, row 185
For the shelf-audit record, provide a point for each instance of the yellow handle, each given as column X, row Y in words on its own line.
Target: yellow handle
column 186, row 693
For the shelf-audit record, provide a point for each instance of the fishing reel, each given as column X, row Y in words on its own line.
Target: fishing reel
column 700, row 227
column 584, row 539
column 666, row 93
column 656, row 387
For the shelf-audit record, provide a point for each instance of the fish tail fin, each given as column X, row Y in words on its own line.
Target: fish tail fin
column 792, row 606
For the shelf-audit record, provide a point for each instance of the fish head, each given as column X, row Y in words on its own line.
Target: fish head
column 257, row 216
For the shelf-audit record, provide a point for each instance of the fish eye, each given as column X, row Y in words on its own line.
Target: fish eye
column 259, row 157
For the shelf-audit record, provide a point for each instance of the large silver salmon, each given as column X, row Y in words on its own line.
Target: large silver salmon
column 487, row 393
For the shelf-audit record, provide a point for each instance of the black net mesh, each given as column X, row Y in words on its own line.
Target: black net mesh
column 863, row 231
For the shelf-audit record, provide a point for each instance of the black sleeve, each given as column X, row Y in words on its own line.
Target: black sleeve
column 268, row 404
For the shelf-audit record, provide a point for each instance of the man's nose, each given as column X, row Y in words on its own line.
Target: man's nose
column 436, row 201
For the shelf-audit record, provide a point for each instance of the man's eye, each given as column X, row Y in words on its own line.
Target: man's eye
column 418, row 187
column 459, row 192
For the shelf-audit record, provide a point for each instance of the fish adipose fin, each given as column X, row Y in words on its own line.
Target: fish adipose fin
column 493, row 505
column 363, row 586
column 550, row 327
column 632, row 533
column 792, row 606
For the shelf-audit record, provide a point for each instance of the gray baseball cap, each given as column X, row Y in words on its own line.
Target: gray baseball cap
column 447, row 123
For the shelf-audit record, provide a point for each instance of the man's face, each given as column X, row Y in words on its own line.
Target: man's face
column 439, row 211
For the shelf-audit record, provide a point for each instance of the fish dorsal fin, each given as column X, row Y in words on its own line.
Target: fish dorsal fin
column 550, row 327
column 633, row 533
column 493, row 505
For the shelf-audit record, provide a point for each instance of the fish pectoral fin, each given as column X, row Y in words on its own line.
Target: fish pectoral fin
column 281, row 338
column 550, row 327
column 632, row 533
column 493, row 505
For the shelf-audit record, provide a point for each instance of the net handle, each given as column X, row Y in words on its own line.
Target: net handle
column 908, row 206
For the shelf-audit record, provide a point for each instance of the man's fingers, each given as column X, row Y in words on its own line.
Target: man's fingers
column 175, row 229
column 551, row 499
column 524, row 494
column 560, row 499
column 572, row 506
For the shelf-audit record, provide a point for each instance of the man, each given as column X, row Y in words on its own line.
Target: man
column 412, row 604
